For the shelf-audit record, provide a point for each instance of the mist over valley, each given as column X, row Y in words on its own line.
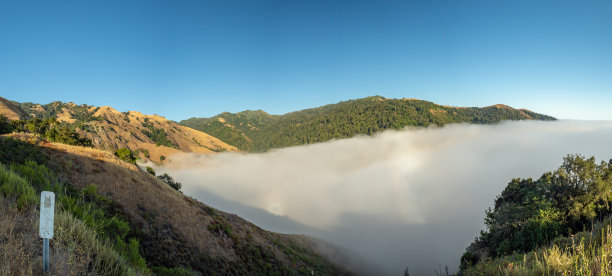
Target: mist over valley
column 410, row 198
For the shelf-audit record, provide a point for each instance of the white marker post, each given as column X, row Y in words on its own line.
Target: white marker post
column 47, row 212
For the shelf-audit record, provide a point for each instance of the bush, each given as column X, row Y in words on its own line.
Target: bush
column 13, row 185
column 52, row 130
column 170, row 181
column 151, row 170
column 126, row 155
column 5, row 125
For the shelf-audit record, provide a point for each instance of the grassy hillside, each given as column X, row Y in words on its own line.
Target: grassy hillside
column 540, row 226
column 145, row 225
column 150, row 136
column 10, row 110
column 91, row 236
column 259, row 131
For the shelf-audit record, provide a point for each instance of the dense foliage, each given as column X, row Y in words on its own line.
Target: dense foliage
column 234, row 129
column 259, row 131
column 5, row 125
column 82, row 113
column 532, row 213
column 126, row 155
column 52, row 130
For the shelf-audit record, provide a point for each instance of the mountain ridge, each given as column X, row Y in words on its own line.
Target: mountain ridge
column 259, row 131
column 10, row 110
column 151, row 137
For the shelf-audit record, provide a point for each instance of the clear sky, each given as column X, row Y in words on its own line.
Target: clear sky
column 181, row 59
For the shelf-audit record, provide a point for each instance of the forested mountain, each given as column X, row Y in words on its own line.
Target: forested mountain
column 259, row 131
column 150, row 136
column 237, row 129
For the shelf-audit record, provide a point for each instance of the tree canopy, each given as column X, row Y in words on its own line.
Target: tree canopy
column 259, row 131
column 531, row 213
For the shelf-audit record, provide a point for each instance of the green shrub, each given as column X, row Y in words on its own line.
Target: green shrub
column 39, row 176
column 15, row 151
column 52, row 130
column 126, row 155
column 13, row 185
column 166, row 178
column 5, row 125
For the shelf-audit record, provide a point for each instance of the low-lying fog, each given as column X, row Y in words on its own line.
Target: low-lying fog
column 412, row 198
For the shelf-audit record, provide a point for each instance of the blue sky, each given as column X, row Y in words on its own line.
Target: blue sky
column 181, row 59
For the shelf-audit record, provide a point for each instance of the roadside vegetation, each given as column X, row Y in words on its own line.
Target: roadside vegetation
column 558, row 224
column 91, row 235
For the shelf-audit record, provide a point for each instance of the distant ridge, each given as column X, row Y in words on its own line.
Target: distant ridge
column 11, row 110
column 151, row 137
column 259, row 131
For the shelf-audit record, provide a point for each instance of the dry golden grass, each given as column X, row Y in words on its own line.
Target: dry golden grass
column 118, row 130
column 21, row 248
column 65, row 116
column 171, row 222
column 10, row 110
column 140, row 194
column 590, row 253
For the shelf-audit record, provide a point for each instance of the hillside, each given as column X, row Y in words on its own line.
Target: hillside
column 172, row 232
column 237, row 129
column 559, row 224
column 259, row 131
column 149, row 136
column 11, row 110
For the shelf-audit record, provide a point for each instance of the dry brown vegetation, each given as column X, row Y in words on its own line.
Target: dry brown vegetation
column 179, row 231
column 10, row 110
column 72, row 250
column 114, row 130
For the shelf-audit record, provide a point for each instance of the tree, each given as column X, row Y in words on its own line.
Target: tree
column 151, row 170
column 5, row 125
column 531, row 213
column 126, row 155
column 170, row 181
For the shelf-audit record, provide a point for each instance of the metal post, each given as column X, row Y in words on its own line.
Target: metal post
column 47, row 213
column 45, row 255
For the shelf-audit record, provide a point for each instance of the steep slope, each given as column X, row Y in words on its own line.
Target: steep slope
column 178, row 231
column 259, row 131
column 170, row 230
column 151, row 136
column 11, row 111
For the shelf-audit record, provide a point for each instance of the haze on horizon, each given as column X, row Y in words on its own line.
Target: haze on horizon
column 200, row 58
column 415, row 197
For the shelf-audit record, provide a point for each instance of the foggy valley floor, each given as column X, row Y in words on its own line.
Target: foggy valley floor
column 412, row 198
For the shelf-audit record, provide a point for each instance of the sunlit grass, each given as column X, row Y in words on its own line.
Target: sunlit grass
column 586, row 253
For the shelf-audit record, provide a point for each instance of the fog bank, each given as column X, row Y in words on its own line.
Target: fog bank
column 412, row 198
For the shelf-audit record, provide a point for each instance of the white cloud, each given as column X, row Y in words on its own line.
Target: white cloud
column 414, row 197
